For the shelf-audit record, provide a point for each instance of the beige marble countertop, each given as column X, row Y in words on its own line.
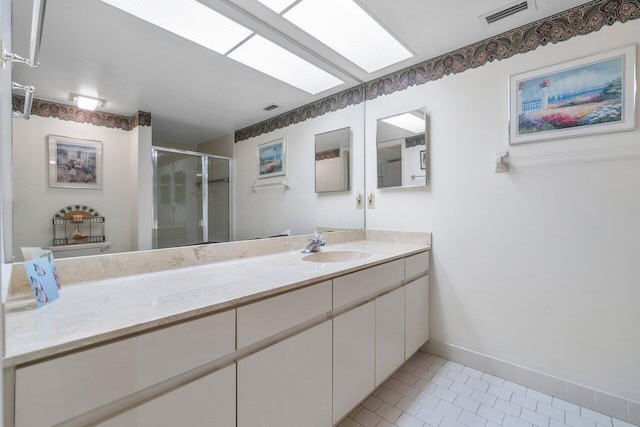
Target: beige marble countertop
column 102, row 310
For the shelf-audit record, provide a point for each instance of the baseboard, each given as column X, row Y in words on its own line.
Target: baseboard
column 606, row 403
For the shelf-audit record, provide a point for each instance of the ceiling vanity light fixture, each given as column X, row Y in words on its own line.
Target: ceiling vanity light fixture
column 198, row 23
column 87, row 102
column 346, row 28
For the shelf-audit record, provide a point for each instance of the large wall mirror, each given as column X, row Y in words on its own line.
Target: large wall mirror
column 196, row 101
column 333, row 161
column 402, row 150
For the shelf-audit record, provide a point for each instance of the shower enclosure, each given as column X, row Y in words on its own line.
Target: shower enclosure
column 191, row 198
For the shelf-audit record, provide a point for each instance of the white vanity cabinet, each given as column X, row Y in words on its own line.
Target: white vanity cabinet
column 390, row 337
column 289, row 383
column 56, row 390
column 353, row 358
column 210, row 400
column 416, row 314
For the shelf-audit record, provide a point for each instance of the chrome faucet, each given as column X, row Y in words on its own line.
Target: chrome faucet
column 314, row 244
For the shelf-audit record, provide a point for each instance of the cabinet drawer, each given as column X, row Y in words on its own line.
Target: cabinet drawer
column 67, row 386
column 196, row 404
column 352, row 287
column 416, row 265
column 271, row 316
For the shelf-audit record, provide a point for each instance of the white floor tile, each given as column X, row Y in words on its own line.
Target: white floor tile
column 389, row 396
column 499, row 392
column 448, row 409
column 483, row 397
column 429, row 416
column 429, row 391
column 471, row 420
column 409, row 406
column 490, row 414
column 550, row 411
column 540, row 397
column 462, row 389
column 510, row 421
column 388, row 412
column 534, row 418
column 367, row 418
column 577, row 421
column 466, row 403
column 566, row 406
column 448, row 422
column 525, row 402
column 599, row 418
column 407, row 420
column 444, row 394
column 508, row 408
column 472, row 372
column 477, row 384
column 457, row 376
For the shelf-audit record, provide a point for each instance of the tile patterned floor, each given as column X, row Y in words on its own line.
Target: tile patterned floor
column 429, row 391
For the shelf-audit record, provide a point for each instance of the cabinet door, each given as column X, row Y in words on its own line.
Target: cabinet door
column 417, row 315
column 210, row 400
column 389, row 334
column 353, row 358
column 289, row 383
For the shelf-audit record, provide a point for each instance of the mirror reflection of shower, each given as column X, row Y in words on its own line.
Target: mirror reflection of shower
column 186, row 212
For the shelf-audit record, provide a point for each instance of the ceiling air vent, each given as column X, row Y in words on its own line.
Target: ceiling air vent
column 270, row 107
column 506, row 11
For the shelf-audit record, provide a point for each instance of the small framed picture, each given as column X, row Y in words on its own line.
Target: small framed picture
column 272, row 159
column 75, row 163
column 423, row 159
column 595, row 94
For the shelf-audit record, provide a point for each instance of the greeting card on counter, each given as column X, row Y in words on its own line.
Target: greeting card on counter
column 42, row 281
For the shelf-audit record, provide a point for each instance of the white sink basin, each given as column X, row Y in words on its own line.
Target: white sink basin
column 336, row 256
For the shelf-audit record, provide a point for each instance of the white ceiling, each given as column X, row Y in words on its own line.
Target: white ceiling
column 195, row 95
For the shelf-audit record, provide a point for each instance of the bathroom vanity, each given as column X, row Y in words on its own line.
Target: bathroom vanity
column 250, row 339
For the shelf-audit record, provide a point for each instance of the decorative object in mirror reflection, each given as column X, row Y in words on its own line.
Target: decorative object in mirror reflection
column 272, row 159
column 77, row 224
column 333, row 161
column 402, row 153
column 589, row 95
column 75, row 163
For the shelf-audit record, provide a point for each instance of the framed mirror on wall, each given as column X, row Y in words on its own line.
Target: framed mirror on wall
column 333, row 161
column 402, row 150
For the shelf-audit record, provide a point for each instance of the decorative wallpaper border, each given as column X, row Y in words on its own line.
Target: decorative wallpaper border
column 581, row 20
column 56, row 110
column 414, row 141
column 327, row 155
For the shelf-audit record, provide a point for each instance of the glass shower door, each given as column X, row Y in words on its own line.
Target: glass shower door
column 178, row 199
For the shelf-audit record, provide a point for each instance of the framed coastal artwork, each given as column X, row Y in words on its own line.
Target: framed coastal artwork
column 272, row 159
column 595, row 94
column 75, row 163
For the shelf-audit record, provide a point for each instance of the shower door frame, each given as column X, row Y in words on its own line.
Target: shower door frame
column 204, row 158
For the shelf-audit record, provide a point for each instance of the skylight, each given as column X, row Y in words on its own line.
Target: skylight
column 188, row 19
column 277, row 5
column 269, row 58
column 346, row 28
column 196, row 22
column 407, row 121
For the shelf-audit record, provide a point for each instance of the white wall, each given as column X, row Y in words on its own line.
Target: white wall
column 539, row 266
column 300, row 209
column 34, row 203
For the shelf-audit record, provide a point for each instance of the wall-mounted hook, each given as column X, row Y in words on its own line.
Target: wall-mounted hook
column 502, row 161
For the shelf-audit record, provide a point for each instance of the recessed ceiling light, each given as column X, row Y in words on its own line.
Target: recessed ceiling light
column 346, row 28
column 189, row 19
column 269, row 58
column 86, row 102
column 277, row 5
column 407, row 121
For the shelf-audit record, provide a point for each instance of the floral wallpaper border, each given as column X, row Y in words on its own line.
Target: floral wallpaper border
column 44, row 108
column 414, row 141
column 581, row 20
column 329, row 154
